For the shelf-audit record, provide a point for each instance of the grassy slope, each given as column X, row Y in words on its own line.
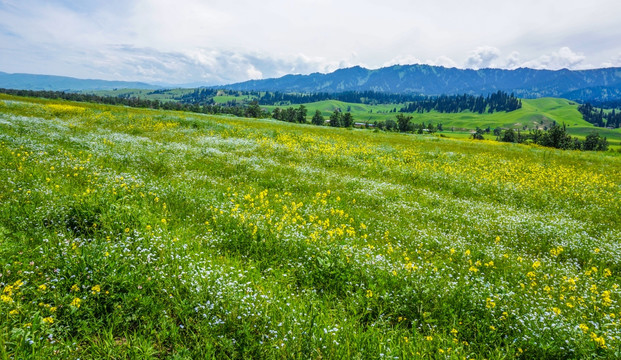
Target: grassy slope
column 532, row 113
column 131, row 233
column 165, row 95
column 168, row 95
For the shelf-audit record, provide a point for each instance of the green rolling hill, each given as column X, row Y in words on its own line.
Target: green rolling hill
column 535, row 113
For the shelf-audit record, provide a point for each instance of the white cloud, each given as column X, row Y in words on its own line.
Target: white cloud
column 253, row 73
column 563, row 58
column 207, row 66
column 218, row 41
column 482, row 57
column 403, row 60
column 442, row 61
column 614, row 62
column 513, row 60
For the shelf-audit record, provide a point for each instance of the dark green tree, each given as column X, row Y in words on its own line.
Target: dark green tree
column 594, row 142
column 557, row 137
column 289, row 115
column 390, row 125
column 347, row 120
column 478, row 134
column 317, row 118
column 276, row 114
column 253, row 110
column 403, row 122
column 509, row 136
column 300, row 115
column 335, row 119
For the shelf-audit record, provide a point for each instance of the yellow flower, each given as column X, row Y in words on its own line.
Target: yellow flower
column 96, row 289
column 163, row 221
column 584, row 328
column 13, row 312
column 607, row 273
column 369, row 293
column 536, row 264
column 48, row 320
column 598, row 340
column 75, row 288
column 53, row 309
column 76, row 302
column 42, row 287
column 489, row 303
column 429, row 338
column 6, row 299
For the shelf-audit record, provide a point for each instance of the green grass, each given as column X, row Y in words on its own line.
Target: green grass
column 536, row 113
column 221, row 99
column 166, row 95
column 134, row 233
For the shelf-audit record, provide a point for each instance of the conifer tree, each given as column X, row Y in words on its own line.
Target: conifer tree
column 318, row 118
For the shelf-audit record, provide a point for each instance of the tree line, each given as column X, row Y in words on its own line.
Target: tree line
column 600, row 118
column 298, row 115
column 203, row 96
column 496, row 102
column 556, row 137
column 499, row 101
column 607, row 104
column 356, row 97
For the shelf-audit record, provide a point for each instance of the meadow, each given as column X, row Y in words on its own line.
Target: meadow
column 535, row 113
column 136, row 233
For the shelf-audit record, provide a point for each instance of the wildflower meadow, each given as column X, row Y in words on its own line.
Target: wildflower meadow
column 136, row 233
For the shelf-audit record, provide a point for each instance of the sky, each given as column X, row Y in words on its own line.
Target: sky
column 213, row 42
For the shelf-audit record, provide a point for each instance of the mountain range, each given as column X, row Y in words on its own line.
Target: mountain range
column 582, row 85
column 596, row 84
column 64, row 83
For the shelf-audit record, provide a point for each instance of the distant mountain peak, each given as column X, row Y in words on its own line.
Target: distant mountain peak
column 437, row 80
